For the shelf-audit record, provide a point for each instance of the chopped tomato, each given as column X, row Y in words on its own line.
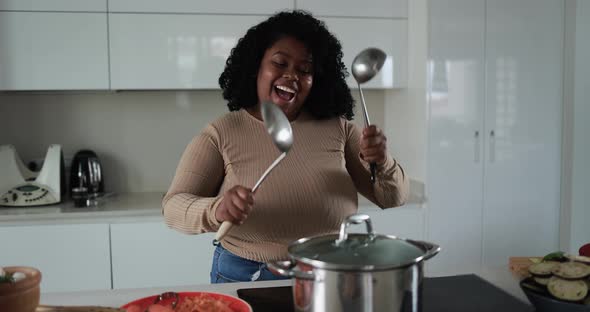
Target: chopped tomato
column 159, row 308
column 134, row 308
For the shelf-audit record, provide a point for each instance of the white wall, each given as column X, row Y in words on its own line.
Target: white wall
column 580, row 213
column 405, row 110
column 139, row 136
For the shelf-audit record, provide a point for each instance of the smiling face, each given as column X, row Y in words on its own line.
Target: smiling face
column 285, row 76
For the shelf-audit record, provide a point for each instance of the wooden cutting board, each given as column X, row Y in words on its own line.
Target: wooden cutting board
column 519, row 266
column 43, row 308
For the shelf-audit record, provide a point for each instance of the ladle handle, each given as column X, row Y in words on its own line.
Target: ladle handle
column 226, row 225
column 373, row 166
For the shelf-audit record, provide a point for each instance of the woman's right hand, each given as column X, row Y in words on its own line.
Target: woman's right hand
column 235, row 206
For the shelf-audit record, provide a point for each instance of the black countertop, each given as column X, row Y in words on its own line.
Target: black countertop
column 462, row 293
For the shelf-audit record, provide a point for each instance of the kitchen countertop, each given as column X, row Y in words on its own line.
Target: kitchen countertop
column 500, row 277
column 126, row 207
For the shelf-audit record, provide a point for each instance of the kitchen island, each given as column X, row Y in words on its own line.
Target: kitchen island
column 452, row 293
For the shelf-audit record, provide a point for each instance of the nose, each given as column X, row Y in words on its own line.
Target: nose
column 291, row 76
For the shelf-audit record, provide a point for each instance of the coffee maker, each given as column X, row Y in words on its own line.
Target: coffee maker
column 86, row 177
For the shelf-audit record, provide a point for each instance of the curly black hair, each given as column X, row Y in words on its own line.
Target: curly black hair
column 329, row 95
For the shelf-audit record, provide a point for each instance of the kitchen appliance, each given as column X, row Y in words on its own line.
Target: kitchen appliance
column 459, row 293
column 86, row 177
column 21, row 187
column 356, row 272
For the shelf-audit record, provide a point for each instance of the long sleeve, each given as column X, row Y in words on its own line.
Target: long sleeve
column 391, row 188
column 189, row 206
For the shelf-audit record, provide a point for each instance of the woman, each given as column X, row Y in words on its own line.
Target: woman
column 293, row 61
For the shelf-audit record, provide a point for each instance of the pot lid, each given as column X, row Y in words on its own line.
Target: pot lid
column 360, row 251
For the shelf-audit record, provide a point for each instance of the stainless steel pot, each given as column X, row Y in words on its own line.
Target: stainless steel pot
column 356, row 272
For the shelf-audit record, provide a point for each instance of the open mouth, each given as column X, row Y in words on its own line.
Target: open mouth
column 285, row 93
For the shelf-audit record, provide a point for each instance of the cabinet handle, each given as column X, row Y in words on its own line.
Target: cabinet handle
column 492, row 146
column 476, row 147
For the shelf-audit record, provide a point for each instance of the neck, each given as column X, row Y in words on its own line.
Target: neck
column 255, row 111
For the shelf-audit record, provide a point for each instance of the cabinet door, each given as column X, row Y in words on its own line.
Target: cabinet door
column 524, row 44
column 53, row 51
column 201, row 6
column 355, row 8
column 391, row 36
column 70, row 257
column 160, row 51
column 54, row 5
column 455, row 158
column 153, row 255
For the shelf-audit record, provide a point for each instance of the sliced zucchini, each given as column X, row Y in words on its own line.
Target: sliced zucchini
column 543, row 269
column 567, row 290
column 582, row 259
column 571, row 270
column 531, row 285
column 542, row 280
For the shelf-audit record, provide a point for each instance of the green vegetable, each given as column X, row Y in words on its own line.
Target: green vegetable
column 555, row 256
column 7, row 278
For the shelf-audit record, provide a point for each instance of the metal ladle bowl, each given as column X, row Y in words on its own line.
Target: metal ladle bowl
column 365, row 66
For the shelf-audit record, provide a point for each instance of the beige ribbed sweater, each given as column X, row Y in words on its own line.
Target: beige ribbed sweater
column 309, row 193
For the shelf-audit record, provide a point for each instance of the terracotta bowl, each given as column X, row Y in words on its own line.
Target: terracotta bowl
column 22, row 296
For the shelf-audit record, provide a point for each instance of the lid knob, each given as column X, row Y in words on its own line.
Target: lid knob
column 355, row 219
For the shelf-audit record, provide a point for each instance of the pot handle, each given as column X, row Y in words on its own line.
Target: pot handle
column 289, row 269
column 430, row 248
column 355, row 219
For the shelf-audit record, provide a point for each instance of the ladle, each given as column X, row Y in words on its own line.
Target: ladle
column 280, row 131
column 364, row 67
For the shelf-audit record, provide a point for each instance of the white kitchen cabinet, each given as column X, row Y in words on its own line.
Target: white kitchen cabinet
column 54, row 5
column 201, row 6
column 523, row 105
column 355, row 8
column 151, row 254
column 70, row 257
column 389, row 35
column 53, row 51
column 495, row 77
column 164, row 51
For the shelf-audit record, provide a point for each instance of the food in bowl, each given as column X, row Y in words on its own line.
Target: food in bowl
column 558, row 286
column 188, row 302
column 19, row 289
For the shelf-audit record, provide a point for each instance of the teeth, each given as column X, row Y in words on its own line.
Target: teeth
column 286, row 89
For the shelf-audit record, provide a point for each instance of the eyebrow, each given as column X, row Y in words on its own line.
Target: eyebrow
column 309, row 60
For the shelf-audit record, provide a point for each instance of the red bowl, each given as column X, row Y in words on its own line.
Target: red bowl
column 585, row 250
column 236, row 304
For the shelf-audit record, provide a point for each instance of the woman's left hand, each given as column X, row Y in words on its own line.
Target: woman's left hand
column 373, row 145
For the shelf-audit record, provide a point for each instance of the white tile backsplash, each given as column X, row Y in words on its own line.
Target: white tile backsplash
column 139, row 136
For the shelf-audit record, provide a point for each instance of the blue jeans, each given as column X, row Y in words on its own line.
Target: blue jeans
column 229, row 268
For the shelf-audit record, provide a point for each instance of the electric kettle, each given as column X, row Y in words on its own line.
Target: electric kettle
column 86, row 175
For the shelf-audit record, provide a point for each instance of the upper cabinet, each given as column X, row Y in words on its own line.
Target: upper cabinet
column 389, row 35
column 201, row 6
column 54, row 5
column 53, row 51
column 355, row 8
column 170, row 51
column 177, row 44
